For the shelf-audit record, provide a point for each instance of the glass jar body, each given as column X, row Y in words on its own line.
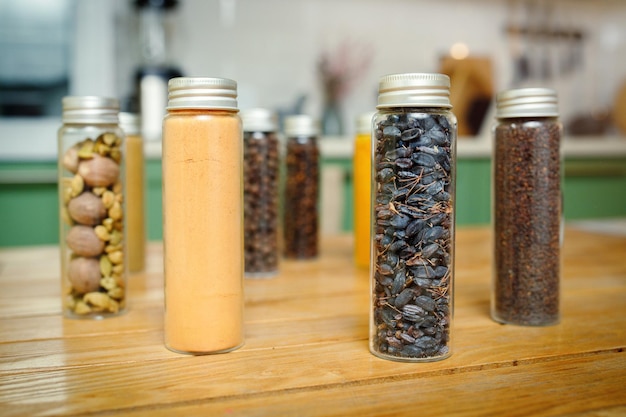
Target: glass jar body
column 526, row 221
column 92, row 220
column 412, row 265
column 261, row 176
column 203, row 230
column 301, row 219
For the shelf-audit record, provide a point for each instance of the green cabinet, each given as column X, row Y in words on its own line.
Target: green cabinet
column 593, row 188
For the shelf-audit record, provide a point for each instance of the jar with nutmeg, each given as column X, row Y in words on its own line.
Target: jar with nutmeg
column 91, row 208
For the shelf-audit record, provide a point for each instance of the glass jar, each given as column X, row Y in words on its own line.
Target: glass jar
column 135, row 191
column 203, row 216
column 412, row 271
column 362, row 171
column 526, row 208
column 260, row 190
column 91, row 207
column 302, row 188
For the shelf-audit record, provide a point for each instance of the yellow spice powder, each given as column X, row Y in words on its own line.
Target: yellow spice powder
column 203, row 235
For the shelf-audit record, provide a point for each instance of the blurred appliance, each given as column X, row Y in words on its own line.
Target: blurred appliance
column 156, row 24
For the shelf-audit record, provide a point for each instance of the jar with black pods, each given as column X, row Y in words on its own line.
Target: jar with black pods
column 412, row 270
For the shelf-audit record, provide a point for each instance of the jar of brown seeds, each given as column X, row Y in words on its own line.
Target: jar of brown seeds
column 301, row 216
column 526, row 212
column 260, row 192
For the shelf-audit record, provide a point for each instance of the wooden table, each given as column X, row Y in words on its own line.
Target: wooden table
column 306, row 350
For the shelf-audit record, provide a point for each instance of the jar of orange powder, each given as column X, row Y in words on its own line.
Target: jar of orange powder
column 203, row 216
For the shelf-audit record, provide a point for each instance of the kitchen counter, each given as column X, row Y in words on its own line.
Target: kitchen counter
column 306, row 350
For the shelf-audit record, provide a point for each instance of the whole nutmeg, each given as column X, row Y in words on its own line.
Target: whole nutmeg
column 87, row 209
column 99, row 171
column 84, row 274
column 84, row 241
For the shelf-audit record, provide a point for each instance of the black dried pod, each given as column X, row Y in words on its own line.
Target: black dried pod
column 414, row 227
column 398, row 281
column 425, row 302
column 411, row 134
column 400, row 193
column 404, row 297
column 423, row 272
column 398, row 153
column 441, row 271
column 391, row 132
column 400, row 221
column 438, row 136
column 404, row 163
column 430, row 250
column 385, row 175
column 398, row 245
column 423, row 159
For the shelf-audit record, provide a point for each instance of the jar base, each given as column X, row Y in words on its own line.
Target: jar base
column 410, row 359
column 93, row 316
column 202, row 353
column 527, row 323
column 261, row 275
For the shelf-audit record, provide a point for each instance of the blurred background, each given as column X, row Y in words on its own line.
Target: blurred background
column 321, row 57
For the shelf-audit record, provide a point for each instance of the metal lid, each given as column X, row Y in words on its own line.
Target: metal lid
column 259, row 120
column 90, row 109
column 364, row 122
column 414, row 89
column 301, row 125
column 527, row 102
column 130, row 123
column 202, row 93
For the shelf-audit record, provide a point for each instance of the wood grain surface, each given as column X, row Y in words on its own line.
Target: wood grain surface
column 306, row 351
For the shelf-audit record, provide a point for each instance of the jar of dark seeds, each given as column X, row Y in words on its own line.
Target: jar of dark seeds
column 526, row 208
column 301, row 188
column 92, row 208
column 413, row 219
column 261, row 172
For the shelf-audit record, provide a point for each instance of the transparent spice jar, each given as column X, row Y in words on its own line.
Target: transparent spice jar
column 412, row 270
column 301, row 216
column 527, row 208
column 260, row 189
column 203, row 216
column 92, row 208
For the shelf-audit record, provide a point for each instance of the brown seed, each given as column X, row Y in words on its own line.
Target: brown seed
column 84, row 241
column 84, row 274
column 87, row 209
column 99, row 171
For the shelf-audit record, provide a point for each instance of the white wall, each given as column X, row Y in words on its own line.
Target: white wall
column 271, row 47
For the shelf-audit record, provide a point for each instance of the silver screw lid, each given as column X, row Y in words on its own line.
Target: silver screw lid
column 90, row 109
column 259, row 120
column 364, row 122
column 414, row 89
column 202, row 93
column 301, row 125
column 130, row 123
column 527, row 102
